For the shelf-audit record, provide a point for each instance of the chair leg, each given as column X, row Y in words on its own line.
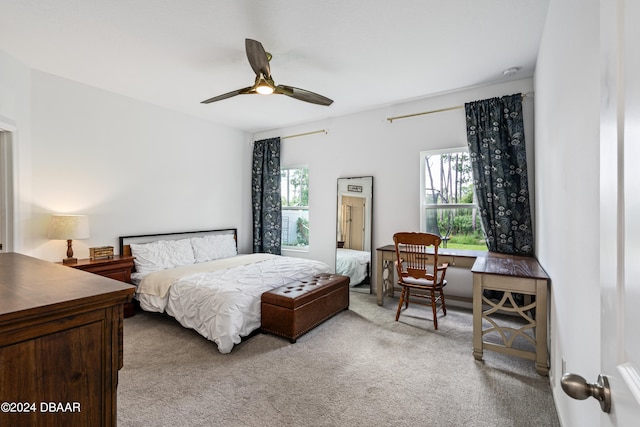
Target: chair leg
column 434, row 309
column 400, row 304
column 444, row 305
column 406, row 298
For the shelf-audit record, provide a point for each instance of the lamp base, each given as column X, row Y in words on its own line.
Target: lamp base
column 70, row 260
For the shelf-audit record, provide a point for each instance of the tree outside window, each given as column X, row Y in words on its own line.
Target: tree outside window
column 295, row 207
column 448, row 206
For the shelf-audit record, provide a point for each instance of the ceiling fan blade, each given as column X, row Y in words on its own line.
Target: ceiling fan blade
column 259, row 61
column 257, row 57
column 228, row 95
column 303, row 95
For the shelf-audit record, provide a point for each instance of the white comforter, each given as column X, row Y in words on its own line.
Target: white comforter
column 224, row 305
column 354, row 264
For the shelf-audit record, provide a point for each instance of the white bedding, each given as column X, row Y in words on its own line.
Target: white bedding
column 354, row 264
column 223, row 304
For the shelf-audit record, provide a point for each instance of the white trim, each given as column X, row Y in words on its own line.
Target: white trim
column 8, row 184
column 631, row 376
column 452, row 206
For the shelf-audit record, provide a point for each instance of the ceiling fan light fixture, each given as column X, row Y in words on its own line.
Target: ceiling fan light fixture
column 264, row 89
column 264, row 85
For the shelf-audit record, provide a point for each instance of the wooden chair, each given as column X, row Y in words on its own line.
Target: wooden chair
column 418, row 270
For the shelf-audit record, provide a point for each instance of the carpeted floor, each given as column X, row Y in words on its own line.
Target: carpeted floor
column 360, row 368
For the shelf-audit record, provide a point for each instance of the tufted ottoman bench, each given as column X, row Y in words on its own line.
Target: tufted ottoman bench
column 295, row 309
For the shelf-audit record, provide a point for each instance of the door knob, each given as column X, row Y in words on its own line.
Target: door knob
column 578, row 388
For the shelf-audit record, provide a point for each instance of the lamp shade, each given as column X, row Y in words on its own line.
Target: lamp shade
column 69, row 227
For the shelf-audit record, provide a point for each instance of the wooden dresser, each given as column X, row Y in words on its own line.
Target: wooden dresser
column 60, row 344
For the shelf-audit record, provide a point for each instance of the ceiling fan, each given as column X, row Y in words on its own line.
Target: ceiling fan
column 259, row 60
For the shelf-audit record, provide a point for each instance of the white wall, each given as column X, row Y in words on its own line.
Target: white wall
column 133, row 167
column 366, row 144
column 567, row 86
column 15, row 86
column 14, row 89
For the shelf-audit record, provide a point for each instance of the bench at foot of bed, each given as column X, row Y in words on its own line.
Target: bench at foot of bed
column 294, row 309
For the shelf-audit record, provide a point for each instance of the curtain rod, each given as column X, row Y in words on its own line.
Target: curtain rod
column 391, row 119
column 457, row 107
column 304, row 134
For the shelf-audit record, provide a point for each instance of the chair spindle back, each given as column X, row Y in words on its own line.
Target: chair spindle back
column 413, row 255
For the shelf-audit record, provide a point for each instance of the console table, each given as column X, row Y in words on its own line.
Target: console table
column 511, row 275
column 386, row 258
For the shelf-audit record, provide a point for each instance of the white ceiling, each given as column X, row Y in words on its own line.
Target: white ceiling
column 362, row 54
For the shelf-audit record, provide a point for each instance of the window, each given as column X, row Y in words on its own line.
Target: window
column 448, row 206
column 294, row 187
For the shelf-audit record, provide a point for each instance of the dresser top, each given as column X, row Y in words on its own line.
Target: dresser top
column 509, row 265
column 28, row 283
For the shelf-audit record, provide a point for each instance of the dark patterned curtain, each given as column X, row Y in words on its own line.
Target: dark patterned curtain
column 266, row 202
column 495, row 133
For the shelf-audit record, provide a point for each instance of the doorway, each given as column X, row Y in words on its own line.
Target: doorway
column 353, row 222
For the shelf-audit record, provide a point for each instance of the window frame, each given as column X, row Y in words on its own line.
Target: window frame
column 423, row 186
column 284, row 208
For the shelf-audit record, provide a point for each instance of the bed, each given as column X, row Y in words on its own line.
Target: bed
column 353, row 263
column 199, row 279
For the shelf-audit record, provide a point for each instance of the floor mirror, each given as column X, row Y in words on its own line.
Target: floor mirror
column 354, row 231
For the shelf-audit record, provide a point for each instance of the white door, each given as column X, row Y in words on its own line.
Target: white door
column 620, row 210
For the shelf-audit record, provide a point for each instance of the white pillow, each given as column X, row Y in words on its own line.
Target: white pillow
column 201, row 249
column 225, row 246
column 150, row 257
column 216, row 246
column 160, row 255
column 180, row 252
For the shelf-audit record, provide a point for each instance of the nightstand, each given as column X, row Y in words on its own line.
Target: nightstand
column 119, row 268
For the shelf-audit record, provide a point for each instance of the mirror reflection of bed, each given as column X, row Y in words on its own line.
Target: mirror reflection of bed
column 353, row 235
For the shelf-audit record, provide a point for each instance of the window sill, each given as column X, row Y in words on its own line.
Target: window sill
column 469, row 253
column 295, row 249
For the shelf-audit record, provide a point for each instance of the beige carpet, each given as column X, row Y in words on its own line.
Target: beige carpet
column 360, row 368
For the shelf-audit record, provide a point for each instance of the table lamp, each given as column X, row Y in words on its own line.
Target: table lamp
column 69, row 227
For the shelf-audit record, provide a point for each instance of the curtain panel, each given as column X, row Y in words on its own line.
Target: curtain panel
column 265, row 196
column 495, row 135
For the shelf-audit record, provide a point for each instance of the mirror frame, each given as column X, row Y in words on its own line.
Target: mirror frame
column 359, row 186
